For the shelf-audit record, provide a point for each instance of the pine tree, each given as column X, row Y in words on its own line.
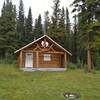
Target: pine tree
column 21, row 20
column 87, row 14
column 67, row 22
column 29, row 22
column 54, row 27
column 56, row 13
column 62, row 29
column 3, row 9
column 47, row 23
column 38, row 29
column 35, row 31
column 8, row 35
column 74, row 48
column 68, row 30
column 28, row 35
column 62, row 22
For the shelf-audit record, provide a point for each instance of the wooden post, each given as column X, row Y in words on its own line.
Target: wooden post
column 21, row 57
column 65, row 60
column 37, row 59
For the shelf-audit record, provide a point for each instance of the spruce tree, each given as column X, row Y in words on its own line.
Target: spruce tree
column 62, row 29
column 62, row 22
column 56, row 13
column 47, row 23
column 54, row 27
column 21, row 20
column 35, row 31
column 8, row 35
column 67, row 21
column 74, row 48
column 38, row 29
column 87, row 18
column 68, row 30
column 28, row 36
column 3, row 9
column 29, row 22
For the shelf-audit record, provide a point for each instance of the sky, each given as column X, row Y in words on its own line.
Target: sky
column 40, row 6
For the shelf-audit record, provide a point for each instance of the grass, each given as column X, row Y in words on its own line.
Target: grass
column 19, row 85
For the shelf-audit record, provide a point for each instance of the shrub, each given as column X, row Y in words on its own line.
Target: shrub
column 72, row 66
column 7, row 61
column 79, row 64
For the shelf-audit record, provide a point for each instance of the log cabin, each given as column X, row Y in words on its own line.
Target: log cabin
column 42, row 54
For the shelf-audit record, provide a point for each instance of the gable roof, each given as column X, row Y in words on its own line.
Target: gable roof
column 40, row 39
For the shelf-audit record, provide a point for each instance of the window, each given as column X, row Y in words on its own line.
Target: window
column 47, row 57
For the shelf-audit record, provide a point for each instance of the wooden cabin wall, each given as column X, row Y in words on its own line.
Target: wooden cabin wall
column 54, row 63
column 57, row 60
column 23, row 59
column 34, row 60
column 62, row 61
column 18, row 60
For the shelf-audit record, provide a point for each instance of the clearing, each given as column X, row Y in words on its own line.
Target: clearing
column 37, row 85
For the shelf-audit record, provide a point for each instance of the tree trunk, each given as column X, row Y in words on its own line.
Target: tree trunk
column 89, row 59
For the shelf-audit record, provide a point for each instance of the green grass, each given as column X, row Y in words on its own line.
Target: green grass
column 19, row 85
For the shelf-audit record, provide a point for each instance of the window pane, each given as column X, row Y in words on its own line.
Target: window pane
column 47, row 57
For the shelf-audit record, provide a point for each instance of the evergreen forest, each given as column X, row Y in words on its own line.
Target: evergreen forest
column 81, row 38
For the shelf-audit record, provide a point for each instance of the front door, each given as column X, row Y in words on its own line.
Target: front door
column 29, row 60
